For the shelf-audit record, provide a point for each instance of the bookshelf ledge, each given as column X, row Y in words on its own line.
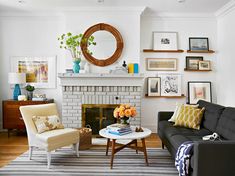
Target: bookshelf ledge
column 190, row 70
column 209, row 51
column 162, row 51
column 182, row 96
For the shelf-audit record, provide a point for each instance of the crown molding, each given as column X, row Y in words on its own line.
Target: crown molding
column 226, row 9
column 178, row 15
column 61, row 11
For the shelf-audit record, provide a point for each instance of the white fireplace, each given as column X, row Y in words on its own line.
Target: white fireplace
column 79, row 89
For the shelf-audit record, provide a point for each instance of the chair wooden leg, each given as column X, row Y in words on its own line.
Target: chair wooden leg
column 77, row 149
column 48, row 160
column 30, row 152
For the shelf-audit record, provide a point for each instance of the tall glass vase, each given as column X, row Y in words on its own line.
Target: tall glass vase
column 76, row 66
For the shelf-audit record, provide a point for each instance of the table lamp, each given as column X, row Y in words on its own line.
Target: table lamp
column 16, row 78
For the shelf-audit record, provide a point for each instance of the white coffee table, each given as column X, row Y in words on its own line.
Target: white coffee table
column 134, row 136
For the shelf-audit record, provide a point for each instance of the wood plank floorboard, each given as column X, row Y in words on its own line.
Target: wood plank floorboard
column 16, row 144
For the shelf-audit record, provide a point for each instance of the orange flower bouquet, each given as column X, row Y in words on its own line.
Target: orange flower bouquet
column 124, row 112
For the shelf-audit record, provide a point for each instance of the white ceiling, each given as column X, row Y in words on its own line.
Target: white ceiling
column 154, row 6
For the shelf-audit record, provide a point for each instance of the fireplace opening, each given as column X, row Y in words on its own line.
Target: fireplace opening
column 98, row 116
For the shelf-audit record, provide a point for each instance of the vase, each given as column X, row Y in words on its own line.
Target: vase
column 87, row 67
column 76, row 66
column 30, row 95
column 125, row 120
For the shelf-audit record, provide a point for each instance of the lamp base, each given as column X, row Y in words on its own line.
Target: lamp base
column 16, row 92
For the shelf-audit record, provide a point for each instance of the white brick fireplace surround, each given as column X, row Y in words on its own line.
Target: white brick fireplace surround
column 78, row 89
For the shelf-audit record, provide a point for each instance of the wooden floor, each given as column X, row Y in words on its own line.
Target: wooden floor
column 16, row 144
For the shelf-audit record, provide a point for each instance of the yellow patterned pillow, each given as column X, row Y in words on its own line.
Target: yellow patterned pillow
column 190, row 117
column 47, row 123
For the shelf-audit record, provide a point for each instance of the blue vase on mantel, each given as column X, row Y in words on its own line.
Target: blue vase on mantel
column 76, row 66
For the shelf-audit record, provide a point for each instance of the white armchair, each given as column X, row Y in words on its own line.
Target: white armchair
column 49, row 140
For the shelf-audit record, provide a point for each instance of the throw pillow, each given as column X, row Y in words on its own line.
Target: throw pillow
column 177, row 110
column 190, row 117
column 47, row 123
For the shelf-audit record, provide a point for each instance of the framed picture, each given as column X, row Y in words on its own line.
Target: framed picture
column 199, row 91
column 170, row 84
column 40, row 71
column 204, row 65
column 198, row 44
column 165, row 64
column 165, row 41
column 192, row 62
column 154, row 86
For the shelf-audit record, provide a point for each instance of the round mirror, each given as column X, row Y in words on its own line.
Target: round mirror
column 106, row 45
column 109, row 45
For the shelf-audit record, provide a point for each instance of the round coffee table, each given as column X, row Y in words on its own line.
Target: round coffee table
column 134, row 136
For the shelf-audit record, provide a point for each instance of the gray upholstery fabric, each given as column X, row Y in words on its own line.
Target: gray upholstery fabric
column 211, row 115
column 226, row 124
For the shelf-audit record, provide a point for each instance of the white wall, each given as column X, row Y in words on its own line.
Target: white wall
column 37, row 36
column 186, row 27
column 226, row 61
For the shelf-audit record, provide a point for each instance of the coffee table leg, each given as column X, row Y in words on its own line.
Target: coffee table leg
column 113, row 152
column 145, row 151
column 107, row 147
column 136, row 145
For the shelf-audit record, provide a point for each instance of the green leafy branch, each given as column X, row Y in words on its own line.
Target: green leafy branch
column 73, row 43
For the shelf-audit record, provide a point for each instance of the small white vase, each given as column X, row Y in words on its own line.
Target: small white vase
column 87, row 67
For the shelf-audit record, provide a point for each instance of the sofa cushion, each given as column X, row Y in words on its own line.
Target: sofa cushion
column 190, row 117
column 211, row 115
column 226, row 124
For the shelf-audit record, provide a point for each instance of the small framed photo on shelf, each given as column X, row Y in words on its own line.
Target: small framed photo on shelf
column 192, row 62
column 165, row 41
column 161, row 64
column 199, row 91
column 198, row 44
column 170, row 84
column 154, row 86
column 204, row 65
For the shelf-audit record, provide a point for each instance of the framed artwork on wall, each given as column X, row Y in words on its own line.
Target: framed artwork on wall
column 40, row 71
column 154, row 86
column 204, row 65
column 198, row 44
column 199, row 91
column 165, row 41
column 192, row 62
column 170, row 84
column 161, row 64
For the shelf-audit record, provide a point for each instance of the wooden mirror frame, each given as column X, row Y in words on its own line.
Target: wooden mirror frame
column 103, row 62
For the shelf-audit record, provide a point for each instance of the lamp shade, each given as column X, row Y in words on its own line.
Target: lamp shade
column 16, row 78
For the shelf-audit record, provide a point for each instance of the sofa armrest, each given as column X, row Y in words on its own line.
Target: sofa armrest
column 164, row 115
column 214, row 158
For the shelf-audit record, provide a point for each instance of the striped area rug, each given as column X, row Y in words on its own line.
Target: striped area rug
column 93, row 162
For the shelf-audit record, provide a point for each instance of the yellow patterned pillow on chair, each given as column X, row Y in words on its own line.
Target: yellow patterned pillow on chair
column 47, row 123
column 189, row 117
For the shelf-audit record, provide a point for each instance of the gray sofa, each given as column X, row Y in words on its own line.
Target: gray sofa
column 210, row 158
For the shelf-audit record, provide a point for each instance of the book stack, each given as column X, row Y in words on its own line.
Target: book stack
column 119, row 129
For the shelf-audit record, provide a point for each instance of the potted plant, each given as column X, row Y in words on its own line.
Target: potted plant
column 124, row 112
column 72, row 43
column 30, row 90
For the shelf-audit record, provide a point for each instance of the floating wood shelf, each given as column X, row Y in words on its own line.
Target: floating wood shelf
column 209, row 51
column 196, row 70
column 162, row 51
column 182, row 96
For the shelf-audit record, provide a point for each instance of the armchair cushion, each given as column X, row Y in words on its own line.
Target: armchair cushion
column 47, row 123
column 54, row 139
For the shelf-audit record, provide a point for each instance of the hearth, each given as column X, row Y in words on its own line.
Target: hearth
column 97, row 116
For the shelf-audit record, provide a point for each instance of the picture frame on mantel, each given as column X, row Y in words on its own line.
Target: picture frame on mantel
column 40, row 71
column 154, row 86
column 198, row 44
column 161, row 64
column 199, row 90
column 165, row 40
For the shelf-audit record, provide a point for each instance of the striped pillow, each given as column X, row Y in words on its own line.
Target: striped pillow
column 190, row 117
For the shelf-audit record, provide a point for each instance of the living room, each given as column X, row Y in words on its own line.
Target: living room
column 132, row 71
